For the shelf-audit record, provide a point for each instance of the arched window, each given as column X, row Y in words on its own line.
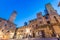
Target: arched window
column 42, row 33
column 53, row 34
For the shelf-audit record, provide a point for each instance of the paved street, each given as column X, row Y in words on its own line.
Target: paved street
column 33, row 39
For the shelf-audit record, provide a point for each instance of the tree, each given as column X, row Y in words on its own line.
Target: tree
column 25, row 24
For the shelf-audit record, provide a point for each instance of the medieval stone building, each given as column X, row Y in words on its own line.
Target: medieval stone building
column 43, row 26
column 7, row 27
column 46, row 26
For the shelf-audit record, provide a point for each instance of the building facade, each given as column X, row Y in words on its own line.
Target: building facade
column 43, row 26
column 46, row 26
column 7, row 27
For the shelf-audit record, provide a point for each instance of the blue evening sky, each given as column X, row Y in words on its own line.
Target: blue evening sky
column 26, row 9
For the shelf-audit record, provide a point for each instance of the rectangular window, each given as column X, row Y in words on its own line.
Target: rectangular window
column 40, row 22
column 5, row 24
column 56, row 19
column 46, row 17
column 43, row 33
column 48, row 22
column 0, row 20
column 21, row 30
column 39, row 18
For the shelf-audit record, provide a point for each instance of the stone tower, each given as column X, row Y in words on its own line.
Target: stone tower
column 13, row 16
column 54, row 17
column 40, row 19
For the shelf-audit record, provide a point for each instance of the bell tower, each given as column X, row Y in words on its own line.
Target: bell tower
column 50, row 9
column 13, row 16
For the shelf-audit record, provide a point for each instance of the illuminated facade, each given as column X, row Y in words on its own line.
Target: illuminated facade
column 43, row 26
column 46, row 26
column 7, row 27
